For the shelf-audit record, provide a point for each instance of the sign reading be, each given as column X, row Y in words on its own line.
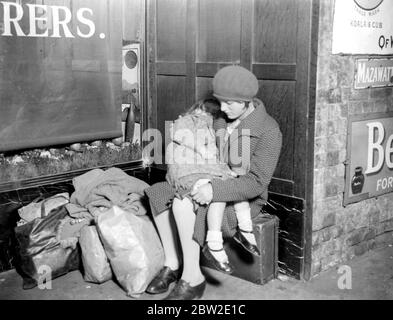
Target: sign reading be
column 369, row 167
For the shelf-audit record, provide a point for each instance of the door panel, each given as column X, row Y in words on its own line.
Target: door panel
column 203, row 87
column 275, row 24
column 214, row 17
column 279, row 99
column 171, row 26
column 171, row 92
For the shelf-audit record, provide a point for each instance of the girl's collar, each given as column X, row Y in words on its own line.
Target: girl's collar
column 246, row 113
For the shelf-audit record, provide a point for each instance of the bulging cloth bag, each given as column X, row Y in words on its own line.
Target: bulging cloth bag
column 39, row 255
column 95, row 262
column 41, row 207
column 133, row 247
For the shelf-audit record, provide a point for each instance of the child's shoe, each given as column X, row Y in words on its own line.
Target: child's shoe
column 242, row 240
column 224, row 266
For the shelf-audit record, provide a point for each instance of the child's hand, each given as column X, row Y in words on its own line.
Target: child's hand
column 204, row 194
column 199, row 183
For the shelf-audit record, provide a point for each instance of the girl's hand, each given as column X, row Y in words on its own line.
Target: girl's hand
column 203, row 195
column 233, row 174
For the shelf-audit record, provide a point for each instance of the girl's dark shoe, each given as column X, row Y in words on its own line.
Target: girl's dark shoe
column 162, row 280
column 252, row 248
column 220, row 266
column 183, row 291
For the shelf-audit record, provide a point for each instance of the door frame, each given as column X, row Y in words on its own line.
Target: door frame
column 305, row 68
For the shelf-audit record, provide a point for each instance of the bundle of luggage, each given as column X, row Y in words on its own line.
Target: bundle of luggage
column 103, row 229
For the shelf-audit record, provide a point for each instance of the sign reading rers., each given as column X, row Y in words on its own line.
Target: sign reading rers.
column 43, row 19
column 60, row 76
column 372, row 73
column 369, row 171
column 363, row 27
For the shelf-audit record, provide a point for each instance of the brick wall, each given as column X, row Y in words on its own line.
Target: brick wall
column 341, row 233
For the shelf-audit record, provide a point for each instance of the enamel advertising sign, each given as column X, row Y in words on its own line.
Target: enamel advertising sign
column 363, row 27
column 369, row 168
column 372, row 73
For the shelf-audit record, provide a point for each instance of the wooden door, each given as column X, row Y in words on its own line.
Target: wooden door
column 189, row 40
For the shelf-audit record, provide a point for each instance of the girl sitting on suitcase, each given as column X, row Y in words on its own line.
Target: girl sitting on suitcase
column 236, row 88
column 193, row 159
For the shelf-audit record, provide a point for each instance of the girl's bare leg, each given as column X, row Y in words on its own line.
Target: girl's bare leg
column 168, row 233
column 183, row 212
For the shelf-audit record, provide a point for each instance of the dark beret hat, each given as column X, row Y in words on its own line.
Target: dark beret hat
column 235, row 83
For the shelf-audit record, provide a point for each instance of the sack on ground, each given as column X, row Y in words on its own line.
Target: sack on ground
column 133, row 248
column 39, row 255
column 95, row 262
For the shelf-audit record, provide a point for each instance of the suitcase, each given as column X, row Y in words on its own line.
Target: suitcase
column 261, row 269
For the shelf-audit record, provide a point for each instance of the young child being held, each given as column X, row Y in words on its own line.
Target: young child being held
column 193, row 159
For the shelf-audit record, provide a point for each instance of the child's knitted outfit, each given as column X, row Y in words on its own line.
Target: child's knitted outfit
column 192, row 153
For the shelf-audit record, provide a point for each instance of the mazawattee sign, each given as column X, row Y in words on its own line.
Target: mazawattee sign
column 363, row 27
column 369, row 169
column 372, row 73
